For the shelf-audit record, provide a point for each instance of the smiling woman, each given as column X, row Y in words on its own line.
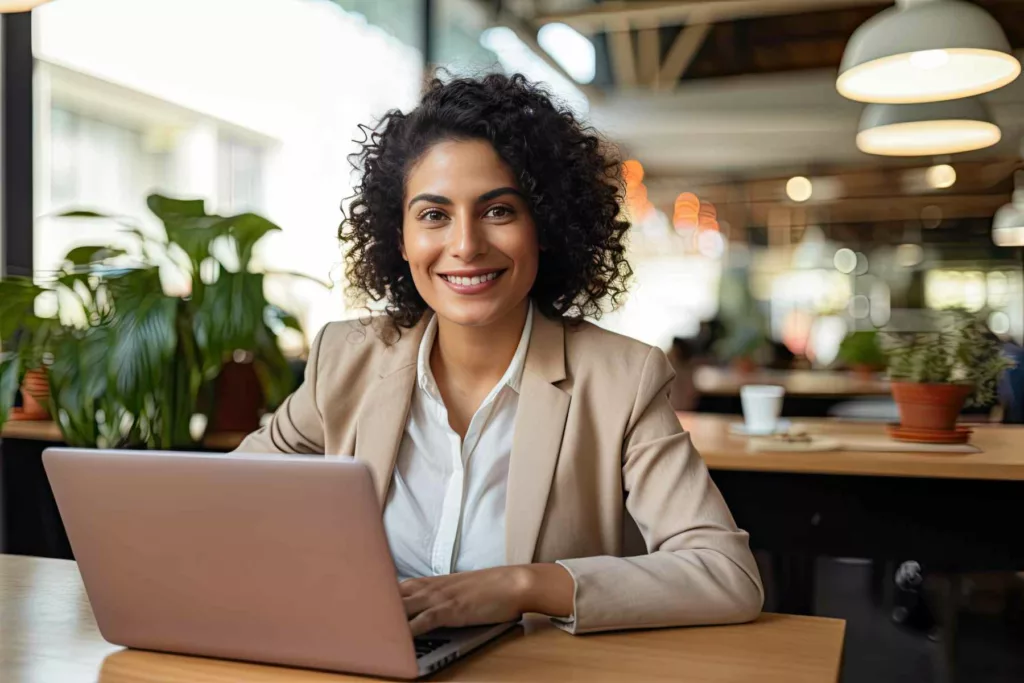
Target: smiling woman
column 468, row 236
column 558, row 175
column 505, row 434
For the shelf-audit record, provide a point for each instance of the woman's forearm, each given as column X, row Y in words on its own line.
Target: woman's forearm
column 547, row 589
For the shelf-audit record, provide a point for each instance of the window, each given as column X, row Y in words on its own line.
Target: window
column 252, row 106
column 239, row 177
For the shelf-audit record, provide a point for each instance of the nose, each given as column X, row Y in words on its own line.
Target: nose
column 465, row 241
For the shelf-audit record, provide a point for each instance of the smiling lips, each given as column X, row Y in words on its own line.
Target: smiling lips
column 471, row 283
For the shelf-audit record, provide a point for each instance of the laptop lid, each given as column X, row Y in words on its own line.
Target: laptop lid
column 276, row 559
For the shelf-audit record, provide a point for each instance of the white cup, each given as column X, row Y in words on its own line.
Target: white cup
column 762, row 405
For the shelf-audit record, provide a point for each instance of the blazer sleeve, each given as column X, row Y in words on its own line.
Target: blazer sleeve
column 699, row 569
column 297, row 426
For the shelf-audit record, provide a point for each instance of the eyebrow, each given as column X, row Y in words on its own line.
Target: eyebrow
column 486, row 196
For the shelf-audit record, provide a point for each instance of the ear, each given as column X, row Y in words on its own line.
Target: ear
column 401, row 248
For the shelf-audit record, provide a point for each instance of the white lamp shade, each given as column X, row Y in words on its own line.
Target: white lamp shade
column 1008, row 223
column 926, row 51
column 908, row 130
column 10, row 6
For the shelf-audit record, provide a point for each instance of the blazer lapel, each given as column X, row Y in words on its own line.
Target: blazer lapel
column 381, row 422
column 537, row 439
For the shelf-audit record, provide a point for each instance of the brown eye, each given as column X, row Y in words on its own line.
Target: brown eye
column 499, row 212
column 432, row 215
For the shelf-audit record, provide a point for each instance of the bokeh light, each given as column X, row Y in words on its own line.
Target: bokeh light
column 799, row 188
column 845, row 260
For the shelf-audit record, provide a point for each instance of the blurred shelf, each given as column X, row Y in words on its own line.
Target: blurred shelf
column 43, row 430
column 36, row 430
column 714, row 381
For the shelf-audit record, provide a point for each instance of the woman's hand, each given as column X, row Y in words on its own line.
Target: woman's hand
column 487, row 596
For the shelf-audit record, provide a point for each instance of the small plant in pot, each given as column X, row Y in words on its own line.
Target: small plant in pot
column 861, row 352
column 129, row 363
column 936, row 372
column 743, row 348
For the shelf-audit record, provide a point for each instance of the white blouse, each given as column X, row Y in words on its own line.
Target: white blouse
column 445, row 510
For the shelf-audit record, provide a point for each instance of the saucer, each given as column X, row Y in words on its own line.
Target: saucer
column 959, row 434
column 740, row 429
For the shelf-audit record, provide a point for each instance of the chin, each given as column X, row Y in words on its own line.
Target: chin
column 479, row 313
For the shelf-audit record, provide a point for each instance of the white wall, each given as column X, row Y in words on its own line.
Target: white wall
column 296, row 75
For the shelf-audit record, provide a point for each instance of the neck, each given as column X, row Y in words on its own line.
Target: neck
column 477, row 355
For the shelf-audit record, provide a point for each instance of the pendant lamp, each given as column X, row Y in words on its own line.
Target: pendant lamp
column 11, row 6
column 908, row 130
column 926, row 51
column 1008, row 223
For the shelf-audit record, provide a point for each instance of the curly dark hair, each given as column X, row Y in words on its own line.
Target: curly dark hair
column 571, row 178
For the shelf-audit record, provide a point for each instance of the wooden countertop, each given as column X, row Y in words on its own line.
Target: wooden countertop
column 44, row 430
column 36, row 430
column 1002, row 455
column 49, row 634
column 1002, row 447
column 715, row 381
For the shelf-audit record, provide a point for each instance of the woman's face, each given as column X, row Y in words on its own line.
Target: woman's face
column 467, row 233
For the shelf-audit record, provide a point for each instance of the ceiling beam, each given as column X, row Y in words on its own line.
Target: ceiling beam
column 648, row 57
column 607, row 16
column 680, row 55
column 623, row 64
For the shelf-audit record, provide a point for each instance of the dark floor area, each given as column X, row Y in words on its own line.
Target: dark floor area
column 989, row 647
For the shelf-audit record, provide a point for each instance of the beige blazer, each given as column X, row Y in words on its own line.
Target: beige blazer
column 595, row 437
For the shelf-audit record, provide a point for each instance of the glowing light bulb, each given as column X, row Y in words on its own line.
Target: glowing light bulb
column 926, row 60
column 799, row 189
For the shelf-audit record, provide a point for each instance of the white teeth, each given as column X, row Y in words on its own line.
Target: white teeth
column 469, row 281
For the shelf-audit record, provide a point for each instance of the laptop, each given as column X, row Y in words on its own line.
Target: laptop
column 264, row 558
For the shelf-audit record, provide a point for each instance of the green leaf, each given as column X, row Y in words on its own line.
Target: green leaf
column 81, row 256
column 10, row 378
column 195, row 236
column 17, row 306
column 230, row 316
column 277, row 319
column 84, row 213
column 167, row 207
column 78, row 384
column 248, row 229
column 272, row 368
column 144, row 336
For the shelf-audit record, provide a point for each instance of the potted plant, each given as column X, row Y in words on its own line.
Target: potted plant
column 936, row 372
column 137, row 363
column 24, row 338
column 861, row 352
column 742, row 347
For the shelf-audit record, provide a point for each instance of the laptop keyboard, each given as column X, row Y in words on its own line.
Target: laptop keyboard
column 424, row 646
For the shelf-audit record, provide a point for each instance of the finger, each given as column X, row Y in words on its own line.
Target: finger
column 414, row 604
column 410, row 586
column 427, row 621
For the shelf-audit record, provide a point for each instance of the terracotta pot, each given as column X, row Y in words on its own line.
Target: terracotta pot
column 863, row 371
column 35, row 396
column 744, row 365
column 238, row 399
column 930, row 406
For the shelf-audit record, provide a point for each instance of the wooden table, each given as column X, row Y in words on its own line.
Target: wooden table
column 49, row 634
column 45, row 430
column 715, row 381
column 952, row 513
column 1002, row 456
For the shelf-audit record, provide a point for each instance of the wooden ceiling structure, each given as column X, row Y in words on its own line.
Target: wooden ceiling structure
column 660, row 44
